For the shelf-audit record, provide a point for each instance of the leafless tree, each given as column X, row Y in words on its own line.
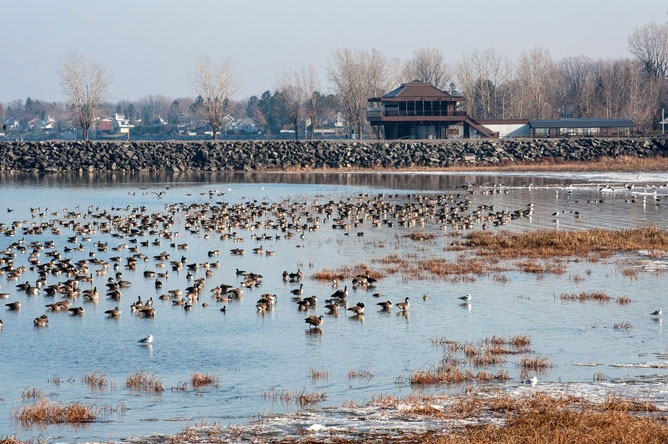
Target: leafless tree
column 428, row 65
column 85, row 85
column 311, row 87
column 216, row 83
column 535, row 72
column 481, row 75
column 649, row 44
column 291, row 95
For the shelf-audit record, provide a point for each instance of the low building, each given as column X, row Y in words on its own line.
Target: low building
column 418, row 110
column 580, row 127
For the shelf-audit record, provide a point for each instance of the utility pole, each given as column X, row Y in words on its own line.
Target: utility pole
column 663, row 121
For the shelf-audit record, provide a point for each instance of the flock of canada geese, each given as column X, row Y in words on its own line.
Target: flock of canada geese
column 58, row 252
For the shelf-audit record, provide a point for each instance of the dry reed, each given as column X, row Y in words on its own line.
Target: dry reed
column 204, row 380
column 318, row 374
column 31, row 393
column 144, row 382
column 598, row 296
column 95, row 380
column 360, row 374
column 622, row 326
column 45, row 411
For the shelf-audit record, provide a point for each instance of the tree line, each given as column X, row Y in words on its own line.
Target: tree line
column 531, row 86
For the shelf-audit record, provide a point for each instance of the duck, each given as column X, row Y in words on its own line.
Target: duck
column 314, row 321
column 114, row 313
column 358, row 309
column 404, row 306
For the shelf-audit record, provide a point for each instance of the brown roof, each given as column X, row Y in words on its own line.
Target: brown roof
column 418, row 90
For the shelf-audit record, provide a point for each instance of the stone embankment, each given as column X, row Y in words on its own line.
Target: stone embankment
column 178, row 156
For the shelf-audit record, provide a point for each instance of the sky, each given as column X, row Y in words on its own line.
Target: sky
column 150, row 46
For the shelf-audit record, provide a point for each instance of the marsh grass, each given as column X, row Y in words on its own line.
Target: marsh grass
column 144, row 382
column 623, row 300
column 419, row 236
column 622, row 326
column 299, row 397
column 96, row 380
column 31, row 393
column 534, row 363
column 45, row 411
column 560, row 243
column 597, row 296
column 318, row 374
column 360, row 374
column 347, row 272
column 204, row 380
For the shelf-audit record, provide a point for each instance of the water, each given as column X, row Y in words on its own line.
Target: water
column 252, row 353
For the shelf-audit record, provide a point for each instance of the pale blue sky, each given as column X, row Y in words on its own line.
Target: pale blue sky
column 149, row 46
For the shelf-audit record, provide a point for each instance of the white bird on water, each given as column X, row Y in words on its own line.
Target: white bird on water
column 657, row 313
column 465, row 297
column 147, row 340
column 531, row 381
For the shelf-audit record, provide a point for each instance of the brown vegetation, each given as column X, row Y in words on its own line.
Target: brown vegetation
column 203, row 380
column 360, row 374
column 95, row 380
column 623, row 300
column 536, row 363
column 597, row 296
column 300, row 397
column 419, row 236
column 622, row 326
column 319, row 374
column 347, row 272
column 48, row 412
column 31, row 393
column 556, row 243
column 144, row 382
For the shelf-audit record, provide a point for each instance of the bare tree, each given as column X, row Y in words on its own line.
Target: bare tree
column 311, row 86
column 85, row 85
column 216, row 83
column 427, row 64
column 536, row 75
column 650, row 45
column 291, row 95
column 480, row 74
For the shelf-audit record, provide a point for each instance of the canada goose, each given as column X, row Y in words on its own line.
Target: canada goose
column 404, row 305
column 41, row 321
column 53, row 307
column 357, row 309
column 5, row 295
column 333, row 308
column 76, row 311
column 341, row 293
column 314, row 321
column 14, row 306
column 115, row 313
column 1, row 324
column 385, row 306
column 298, row 291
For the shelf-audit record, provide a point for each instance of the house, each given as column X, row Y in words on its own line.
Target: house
column 418, row 110
column 121, row 124
column 105, row 125
column 560, row 127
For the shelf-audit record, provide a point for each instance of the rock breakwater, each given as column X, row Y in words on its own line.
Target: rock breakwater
column 268, row 155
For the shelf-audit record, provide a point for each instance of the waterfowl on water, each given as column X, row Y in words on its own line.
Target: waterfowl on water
column 76, row 311
column 385, row 306
column 341, row 293
column 657, row 313
column 357, row 309
column 404, row 305
column 114, row 313
column 14, row 306
column 147, row 340
column 41, row 321
column 465, row 298
column 314, row 321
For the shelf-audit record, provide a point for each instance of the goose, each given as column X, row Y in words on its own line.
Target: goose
column 41, row 321
column 76, row 311
column 358, row 309
column 385, row 306
column 298, row 291
column 341, row 293
column 14, row 306
column 53, row 307
column 404, row 305
column 314, row 321
column 114, row 313
column 333, row 308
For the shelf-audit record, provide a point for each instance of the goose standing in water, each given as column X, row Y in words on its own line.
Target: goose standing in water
column 314, row 321
column 385, row 306
column 115, row 313
column 404, row 306
column 358, row 309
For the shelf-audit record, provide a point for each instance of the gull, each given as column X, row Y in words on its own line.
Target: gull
column 531, row 381
column 465, row 297
column 147, row 340
column 657, row 313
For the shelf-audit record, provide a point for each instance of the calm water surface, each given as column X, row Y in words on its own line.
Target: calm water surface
column 252, row 353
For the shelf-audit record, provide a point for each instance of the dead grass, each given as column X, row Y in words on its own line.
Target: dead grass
column 204, row 380
column 597, row 296
column 13, row 439
column 300, row 397
column 622, row 326
column 319, row 374
column 360, row 374
column 534, row 363
column 96, row 380
column 144, row 382
column 45, row 411
column 347, row 272
column 630, row 273
column 623, row 300
column 31, row 393
column 419, row 236
column 559, row 243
